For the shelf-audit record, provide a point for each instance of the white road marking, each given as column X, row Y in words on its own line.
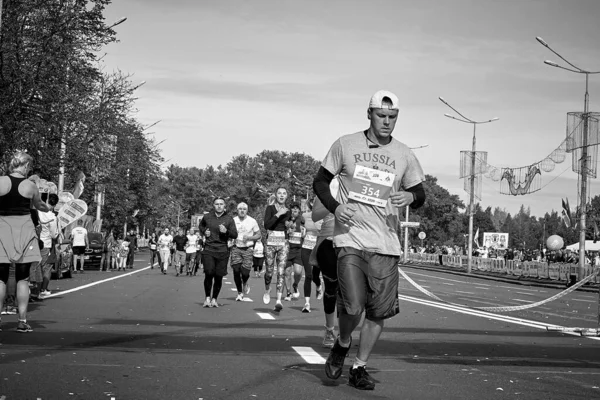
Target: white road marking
column 484, row 314
column 265, row 315
column 309, row 355
column 484, row 288
column 522, row 301
column 459, row 291
column 449, row 284
column 585, row 301
column 526, row 294
column 233, row 289
column 228, row 283
column 95, row 283
column 247, row 299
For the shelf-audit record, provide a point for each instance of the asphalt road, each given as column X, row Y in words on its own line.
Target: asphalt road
column 146, row 336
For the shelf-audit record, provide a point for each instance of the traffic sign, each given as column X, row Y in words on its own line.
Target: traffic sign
column 422, row 235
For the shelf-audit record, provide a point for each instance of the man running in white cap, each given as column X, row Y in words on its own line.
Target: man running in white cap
column 379, row 177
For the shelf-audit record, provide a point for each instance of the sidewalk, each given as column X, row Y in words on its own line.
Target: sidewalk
column 519, row 280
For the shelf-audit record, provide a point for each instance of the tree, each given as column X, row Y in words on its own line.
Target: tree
column 439, row 217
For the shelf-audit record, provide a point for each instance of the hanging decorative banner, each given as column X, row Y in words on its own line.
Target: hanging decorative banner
column 521, row 181
column 71, row 212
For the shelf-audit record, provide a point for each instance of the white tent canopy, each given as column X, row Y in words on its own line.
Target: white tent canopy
column 589, row 246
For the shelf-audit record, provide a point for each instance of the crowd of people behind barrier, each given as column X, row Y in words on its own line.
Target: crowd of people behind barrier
column 541, row 264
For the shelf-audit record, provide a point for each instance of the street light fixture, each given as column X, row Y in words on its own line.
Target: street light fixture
column 584, row 149
column 117, row 22
column 472, row 191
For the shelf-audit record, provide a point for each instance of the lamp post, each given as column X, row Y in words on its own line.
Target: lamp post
column 584, row 150
column 472, row 183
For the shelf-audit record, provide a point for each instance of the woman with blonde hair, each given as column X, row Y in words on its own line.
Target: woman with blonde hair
column 18, row 238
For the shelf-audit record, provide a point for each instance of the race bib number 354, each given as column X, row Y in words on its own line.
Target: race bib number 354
column 371, row 186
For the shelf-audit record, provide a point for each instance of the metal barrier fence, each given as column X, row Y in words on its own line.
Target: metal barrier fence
column 527, row 269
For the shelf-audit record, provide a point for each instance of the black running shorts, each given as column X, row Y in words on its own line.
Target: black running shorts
column 367, row 282
column 294, row 256
column 78, row 250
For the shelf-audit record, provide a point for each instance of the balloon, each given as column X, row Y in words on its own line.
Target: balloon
column 71, row 212
column 555, row 242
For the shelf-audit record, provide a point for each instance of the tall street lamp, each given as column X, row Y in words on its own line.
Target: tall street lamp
column 466, row 120
column 584, row 149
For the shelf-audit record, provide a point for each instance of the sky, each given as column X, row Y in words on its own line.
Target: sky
column 238, row 77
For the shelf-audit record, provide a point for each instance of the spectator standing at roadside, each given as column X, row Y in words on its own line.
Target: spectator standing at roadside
column 48, row 235
column 107, row 245
column 132, row 239
column 18, row 239
column 79, row 242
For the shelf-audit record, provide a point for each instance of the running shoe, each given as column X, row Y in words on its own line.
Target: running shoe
column 246, row 289
column 329, row 338
column 239, row 297
column 278, row 306
column 288, row 297
column 267, row 296
column 319, row 293
column 306, row 308
column 46, row 293
column 360, row 379
column 335, row 360
column 296, row 292
column 206, row 303
column 214, row 303
column 24, row 327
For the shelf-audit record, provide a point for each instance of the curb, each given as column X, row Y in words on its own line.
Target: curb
column 481, row 275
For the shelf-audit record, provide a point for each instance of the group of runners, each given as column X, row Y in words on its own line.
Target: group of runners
column 350, row 237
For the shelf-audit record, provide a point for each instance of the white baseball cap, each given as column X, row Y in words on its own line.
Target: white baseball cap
column 377, row 100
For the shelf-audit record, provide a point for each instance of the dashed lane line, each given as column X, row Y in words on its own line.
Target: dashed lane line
column 309, row 355
column 460, row 291
column 527, row 294
column 483, row 288
column 95, row 283
column 265, row 315
column 585, row 301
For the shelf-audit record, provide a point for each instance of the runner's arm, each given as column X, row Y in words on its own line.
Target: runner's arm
column 418, row 192
column 322, row 190
column 319, row 211
column 232, row 230
column 270, row 219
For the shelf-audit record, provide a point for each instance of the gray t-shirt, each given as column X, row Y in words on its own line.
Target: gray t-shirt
column 381, row 170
